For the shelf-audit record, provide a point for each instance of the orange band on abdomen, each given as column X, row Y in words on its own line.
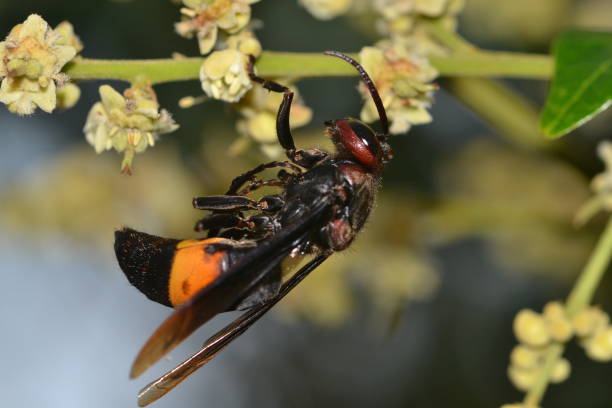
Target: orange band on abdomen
column 193, row 269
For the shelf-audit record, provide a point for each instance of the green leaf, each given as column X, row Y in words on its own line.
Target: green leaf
column 582, row 84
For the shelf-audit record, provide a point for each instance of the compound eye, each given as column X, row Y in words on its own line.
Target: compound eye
column 366, row 135
column 361, row 142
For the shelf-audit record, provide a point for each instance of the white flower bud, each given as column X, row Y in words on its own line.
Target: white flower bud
column 224, row 76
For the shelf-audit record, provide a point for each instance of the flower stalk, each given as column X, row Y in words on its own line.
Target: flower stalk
column 303, row 65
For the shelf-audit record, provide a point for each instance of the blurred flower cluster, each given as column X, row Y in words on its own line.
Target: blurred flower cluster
column 401, row 21
column 327, row 9
column 31, row 59
column 535, row 332
column 128, row 123
column 503, row 202
column 76, row 198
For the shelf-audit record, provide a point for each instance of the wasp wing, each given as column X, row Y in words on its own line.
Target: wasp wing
column 223, row 293
column 164, row 384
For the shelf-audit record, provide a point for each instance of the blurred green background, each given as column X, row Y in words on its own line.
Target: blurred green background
column 470, row 227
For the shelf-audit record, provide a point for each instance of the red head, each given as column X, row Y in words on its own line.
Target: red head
column 353, row 138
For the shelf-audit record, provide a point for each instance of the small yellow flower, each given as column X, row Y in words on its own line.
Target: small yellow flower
column 129, row 123
column 589, row 321
column 31, row 59
column 522, row 379
column 559, row 326
column 245, row 42
column 403, row 81
column 530, row 328
column 68, row 37
column 599, row 346
column 526, row 357
column 67, row 96
column 326, row 9
column 561, row 371
column 223, row 75
column 204, row 18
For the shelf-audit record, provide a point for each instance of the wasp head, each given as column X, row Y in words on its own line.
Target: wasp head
column 352, row 137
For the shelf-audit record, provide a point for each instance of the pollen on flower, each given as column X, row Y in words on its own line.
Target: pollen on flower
column 326, row 9
column 224, row 76
column 31, row 59
column 204, row 19
column 403, row 80
column 128, row 123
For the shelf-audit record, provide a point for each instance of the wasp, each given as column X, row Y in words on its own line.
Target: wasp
column 324, row 199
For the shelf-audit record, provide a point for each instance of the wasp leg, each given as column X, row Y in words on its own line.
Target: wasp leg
column 304, row 158
column 255, row 184
column 258, row 224
column 224, row 203
column 219, row 221
column 270, row 203
column 249, row 176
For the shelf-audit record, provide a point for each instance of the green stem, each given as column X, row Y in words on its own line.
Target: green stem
column 497, row 103
column 301, row 65
column 501, row 106
column 579, row 298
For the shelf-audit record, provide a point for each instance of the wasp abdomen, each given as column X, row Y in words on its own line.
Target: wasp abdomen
column 169, row 271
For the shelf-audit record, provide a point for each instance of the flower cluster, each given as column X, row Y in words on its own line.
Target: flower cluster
column 403, row 80
column 31, row 59
column 534, row 333
column 204, row 19
column 401, row 20
column 592, row 326
column 128, row 123
column 326, row 9
column 259, row 108
column 223, row 74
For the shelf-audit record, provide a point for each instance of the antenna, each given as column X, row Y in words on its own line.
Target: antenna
column 382, row 114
